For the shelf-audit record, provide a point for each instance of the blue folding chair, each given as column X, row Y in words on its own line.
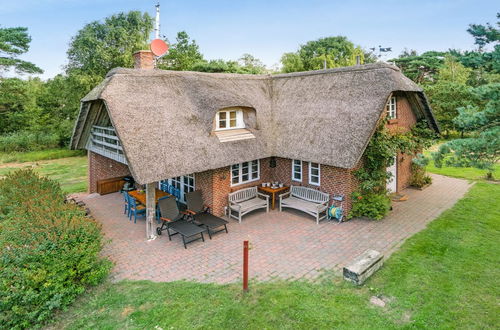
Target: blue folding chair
column 126, row 209
column 135, row 209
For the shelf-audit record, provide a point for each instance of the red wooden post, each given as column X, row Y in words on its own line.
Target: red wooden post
column 245, row 266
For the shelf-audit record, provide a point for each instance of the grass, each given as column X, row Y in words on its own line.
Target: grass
column 443, row 277
column 33, row 156
column 70, row 172
column 469, row 173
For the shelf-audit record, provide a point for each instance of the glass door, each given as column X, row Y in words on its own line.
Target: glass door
column 184, row 184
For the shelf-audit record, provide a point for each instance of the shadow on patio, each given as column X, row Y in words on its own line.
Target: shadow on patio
column 285, row 244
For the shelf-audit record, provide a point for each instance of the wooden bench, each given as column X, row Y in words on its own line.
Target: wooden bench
column 246, row 200
column 307, row 200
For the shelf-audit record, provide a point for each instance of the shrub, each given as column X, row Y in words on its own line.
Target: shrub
column 28, row 141
column 373, row 206
column 418, row 176
column 49, row 250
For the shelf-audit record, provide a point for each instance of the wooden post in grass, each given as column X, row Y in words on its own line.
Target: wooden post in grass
column 245, row 266
column 150, row 210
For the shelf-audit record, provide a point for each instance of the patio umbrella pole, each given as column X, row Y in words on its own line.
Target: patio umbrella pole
column 150, row 210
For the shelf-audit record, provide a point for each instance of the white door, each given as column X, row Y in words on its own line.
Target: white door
column 392, row 181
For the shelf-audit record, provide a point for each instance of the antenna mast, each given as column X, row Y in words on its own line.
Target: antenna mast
column 157, row 21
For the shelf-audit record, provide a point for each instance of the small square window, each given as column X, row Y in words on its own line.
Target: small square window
column 229, row 119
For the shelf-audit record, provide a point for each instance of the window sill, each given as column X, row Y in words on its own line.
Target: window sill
column 392, row 121
column 234, row 135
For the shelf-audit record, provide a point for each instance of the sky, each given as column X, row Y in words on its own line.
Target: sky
column 265, row 29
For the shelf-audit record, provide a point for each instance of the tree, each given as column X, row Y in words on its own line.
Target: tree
column 14, row 42
column 449, row 92
column 18, row 105
column 484, row 34
column 101, row 46
column 482, row 150
column 420, row 68
column 250, row 64
column 183, row 55
column 292, row 62
column 334, row 51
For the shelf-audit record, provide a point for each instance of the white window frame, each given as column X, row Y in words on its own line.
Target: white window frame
column 311, row 175
column 391, row 108
column 239, row 119
column 251, row 173
column 296, row 162
column 182, row 183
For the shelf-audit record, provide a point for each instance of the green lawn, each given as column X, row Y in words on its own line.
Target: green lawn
column 443, row 277
column 468, row 173
column 70, row 172
column 33, row 156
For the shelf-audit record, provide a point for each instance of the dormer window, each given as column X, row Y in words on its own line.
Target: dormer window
column 229, row 119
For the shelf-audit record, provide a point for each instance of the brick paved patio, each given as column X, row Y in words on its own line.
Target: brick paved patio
column 285, row 245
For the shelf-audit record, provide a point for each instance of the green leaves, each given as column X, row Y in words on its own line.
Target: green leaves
column 14, row 42
column 49, row 251
column 101, row 46
column 379, row 155
column 335, row 51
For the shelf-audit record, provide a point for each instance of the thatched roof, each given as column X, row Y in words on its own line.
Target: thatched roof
column 164, row 119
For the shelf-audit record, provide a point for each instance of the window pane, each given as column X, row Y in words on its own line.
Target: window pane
column 235, row 179
column 232, row 123
column 222, row 115
column 314, row 171
column 232, row 115
column 222, row 123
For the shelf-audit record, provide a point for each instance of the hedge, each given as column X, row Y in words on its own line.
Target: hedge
column 28, row 141
column 49, row 250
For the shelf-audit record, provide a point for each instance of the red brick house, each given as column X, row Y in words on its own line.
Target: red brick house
column 223, row 132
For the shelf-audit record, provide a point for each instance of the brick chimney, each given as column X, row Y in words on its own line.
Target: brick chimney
column 144, row 59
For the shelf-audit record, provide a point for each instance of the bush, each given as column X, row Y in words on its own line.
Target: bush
column 373, row 206
column 28, row 141
column 49, row 250
column 418, row 176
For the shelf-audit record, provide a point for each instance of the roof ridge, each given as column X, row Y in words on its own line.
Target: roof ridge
column 160, row 72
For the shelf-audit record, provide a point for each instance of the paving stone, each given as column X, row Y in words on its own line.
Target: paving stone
column 285, row 244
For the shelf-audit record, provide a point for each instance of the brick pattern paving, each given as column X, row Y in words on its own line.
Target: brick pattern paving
column 285, row 245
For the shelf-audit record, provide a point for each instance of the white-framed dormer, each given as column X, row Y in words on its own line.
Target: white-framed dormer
column 230, row 118
column 314, row 174
column 297, row 170
column 391, row 108
column 230, row 124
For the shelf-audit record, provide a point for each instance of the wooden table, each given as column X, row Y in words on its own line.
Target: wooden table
column 141, row 196
column 272, row 192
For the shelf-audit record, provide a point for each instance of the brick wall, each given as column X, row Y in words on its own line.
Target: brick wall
column 215, row 185
column 101, row 167
column 333, row 180
column 405, row 120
